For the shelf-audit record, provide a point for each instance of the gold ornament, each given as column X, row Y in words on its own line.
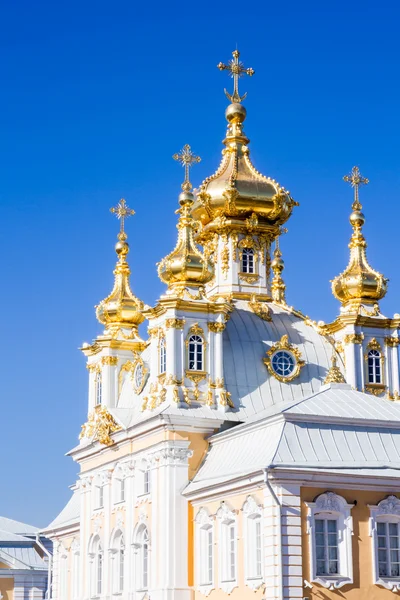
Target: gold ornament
column 185, row 265
column 334, row 374
column 99, row 427
column 392, row 342
column 260, row 309
column 121, row 309
column 284, row 344
column 359, row 283
column 353, row 338
column 110, row 361
column 174, row 323
column 216, row 327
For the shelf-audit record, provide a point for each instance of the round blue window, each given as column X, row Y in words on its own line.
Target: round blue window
column 283, row 363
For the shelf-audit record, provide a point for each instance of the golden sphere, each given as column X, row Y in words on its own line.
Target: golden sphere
column 122, row 247
column 235, row 112
column 357, row 219
column 278, row 263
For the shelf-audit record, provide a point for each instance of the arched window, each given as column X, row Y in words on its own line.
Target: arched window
column 98, row 388
column 118, row 567
column 97, row 559
column 163, row 356
column 141, row 545
column 196, row 353
column 205, row 551
column 247, row 265
column 228, row 548
column 253, row 543
column 374, row 366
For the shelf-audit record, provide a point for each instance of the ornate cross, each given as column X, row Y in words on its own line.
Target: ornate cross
column 356, row 179
column 237, row 69
column 187, row 159
column 123, row 212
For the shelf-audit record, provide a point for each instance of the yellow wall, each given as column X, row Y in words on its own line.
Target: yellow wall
column 6, row 585
column 363, row 587
column 242, row 592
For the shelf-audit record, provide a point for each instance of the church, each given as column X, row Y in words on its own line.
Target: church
column 240, row 448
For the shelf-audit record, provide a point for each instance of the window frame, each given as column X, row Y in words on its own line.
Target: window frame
column 227, row 524
column 98, row 389
column 198, row 343
column 253, row 514
column 141, row 545
column 204, row 529
column 377, row 365
column 246, row 252
column 330, row 505
column 386, row 511
column 162, row 355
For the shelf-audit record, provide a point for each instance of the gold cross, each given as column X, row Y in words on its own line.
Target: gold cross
column 187, row 159
column 356, row 179
column 123, row 212
column 236, row 68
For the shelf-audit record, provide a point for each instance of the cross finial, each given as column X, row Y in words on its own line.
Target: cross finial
column 187, row 159
column 123, row 212
column 237, row 69
column 356, row 179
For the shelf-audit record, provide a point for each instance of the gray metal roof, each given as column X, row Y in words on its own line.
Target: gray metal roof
column 336, row 429
column 22, row 557
column 69, row 514
column 16, row 526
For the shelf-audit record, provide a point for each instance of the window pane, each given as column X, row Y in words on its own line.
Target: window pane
column 320, row 567
column 332, row 553
column 382, row 555
column 394, row 571
column 332, row 526
column 319, row 525
column 382, row 569
column 392, row 528
column 381, row 528
column 333, row 567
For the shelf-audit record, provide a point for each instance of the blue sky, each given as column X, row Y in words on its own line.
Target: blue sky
column 95, row 98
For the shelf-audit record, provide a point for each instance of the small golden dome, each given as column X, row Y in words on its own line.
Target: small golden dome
column 237, row 190
column 121, row 309
column 359, row 283
column 186, row 265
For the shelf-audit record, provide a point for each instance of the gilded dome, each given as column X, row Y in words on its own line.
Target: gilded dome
column 186, row 266
column 237, row 189
column 121, row 309
column 359, row 283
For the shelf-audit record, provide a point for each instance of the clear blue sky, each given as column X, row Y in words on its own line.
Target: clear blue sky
column 95, row 98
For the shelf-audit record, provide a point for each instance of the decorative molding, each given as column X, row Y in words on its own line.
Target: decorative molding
column 284, row 344
column 174, row 323
column 138, row 385
column 99, row 426
column 388, row 506
column 110, row 361
column 353, row 338
column 250, row 507
column 249, row 278
column 216, row 327
column 261, row 309
column 392, row 342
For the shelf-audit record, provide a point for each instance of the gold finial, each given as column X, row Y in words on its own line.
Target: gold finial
column 334, row 374
column 123, row 212
column 356, row 179
column 359, row 283
column 237, row 69
column 187, row 159
column 278, row 287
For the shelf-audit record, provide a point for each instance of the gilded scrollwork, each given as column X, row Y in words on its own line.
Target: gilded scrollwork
column 284, row 344
column 174, row 323
column 99, row 426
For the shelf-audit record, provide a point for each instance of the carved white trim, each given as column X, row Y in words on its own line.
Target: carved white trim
column 332, row 505
column 252, row 512
column 226, row 517
column 204, row 523
column 387, row 511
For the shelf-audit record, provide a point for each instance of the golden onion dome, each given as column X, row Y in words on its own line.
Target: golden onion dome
column 237, row 189
column 359, row 283
column 186, row 266
column 121, row 309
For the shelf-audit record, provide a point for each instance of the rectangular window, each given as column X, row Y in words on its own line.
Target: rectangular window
column 145, row 566
column 206, row 555
column 122, row 490
column 99, row 573
column 258, row 547
column 146, row 482
column 100, row 496
column 121, row 569
column 232, row 553
column 326, row 546
column 388, row 549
